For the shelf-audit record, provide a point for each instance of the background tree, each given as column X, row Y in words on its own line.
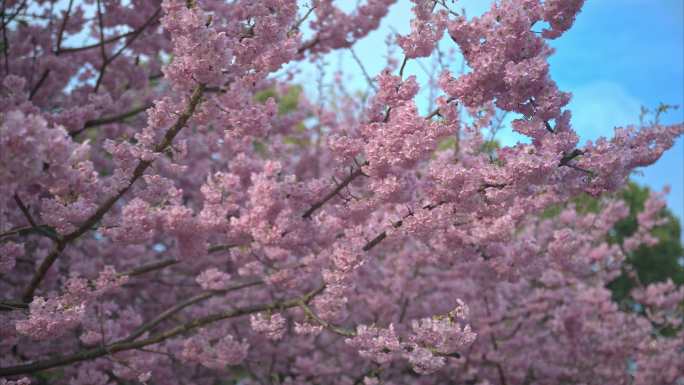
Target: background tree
column 651, row 264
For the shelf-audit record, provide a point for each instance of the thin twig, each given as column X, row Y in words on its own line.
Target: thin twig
column 369, row 80
column 217, row 248
column 40, row 229
column 111, row 119
column 380, row 237
column 356, row 173
column 25, row 211
column 113, row 39
column 403, row 66
column 5, row 42
column 108, row 60
column 300, row 21
column 149, row 267
column 60, row 33
column 60, row 37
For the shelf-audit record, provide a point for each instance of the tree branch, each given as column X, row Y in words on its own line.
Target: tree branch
column 134, row 36
column 124, row 344
column 111, row 119
column 149, row 267
column 356, row 173
column 182, row 120
column 380, row 237
column 60, row 37
column 335, row 329
column 182, row 305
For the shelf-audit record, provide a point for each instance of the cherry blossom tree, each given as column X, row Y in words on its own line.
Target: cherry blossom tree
column 173, row 210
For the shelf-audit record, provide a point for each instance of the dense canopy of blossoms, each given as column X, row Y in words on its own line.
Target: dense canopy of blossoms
column 170, row 215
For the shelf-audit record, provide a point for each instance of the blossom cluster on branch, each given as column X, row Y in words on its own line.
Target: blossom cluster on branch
column 175, row 210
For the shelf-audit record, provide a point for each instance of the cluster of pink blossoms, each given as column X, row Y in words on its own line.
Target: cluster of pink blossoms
column 174, row 209
column 53, row 317
column 426, row 346
column 214, row 350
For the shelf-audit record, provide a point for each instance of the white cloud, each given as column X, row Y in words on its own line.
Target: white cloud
column 598, row 107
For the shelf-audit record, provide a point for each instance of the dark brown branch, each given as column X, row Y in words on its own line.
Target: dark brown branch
column 124, row 345
column 5, row 47
column 358, row 61
column 572, row 155
column 13, row 305
column 547, row 125
column 108, row 60
column 435, row 112
column 485, row 186
column 17, row 231
column 217, row 248
column 26, row 230
column 60, row 38
column 110, row 40
column 60, row 33
column 38, row 276
column 25, row 211
column 14, row 15
column 5, row 42
column 142, row 166
column 403, row 66
column 150, row 267
column 300, row 21
column 380, row 237
column 103, row 52
column 182, row 305
column 112, row 119
column 308, row 45
column 40, row 229
column 565, row 161
column 492, row 338
column 39, row 84
column 335, row 329
column 355, row 174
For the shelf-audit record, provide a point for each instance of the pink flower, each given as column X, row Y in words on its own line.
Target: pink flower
column 272, row 326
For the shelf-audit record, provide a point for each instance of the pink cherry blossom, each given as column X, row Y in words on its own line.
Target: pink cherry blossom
column 178, row 207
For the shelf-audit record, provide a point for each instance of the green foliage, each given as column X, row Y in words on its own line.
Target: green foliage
column 490, row 147
column 657, row 113
column 651, row 263
column 287, row 102
column 583, row 203
column 260, row 147
column 446, row 144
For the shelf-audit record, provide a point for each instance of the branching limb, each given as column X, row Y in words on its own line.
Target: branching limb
column 148, row 326
column 125, row 344
column 111, row 119
column 335, row 329
column 345, row 182
column 140, row 169
column 108, row 60
column 60, row 38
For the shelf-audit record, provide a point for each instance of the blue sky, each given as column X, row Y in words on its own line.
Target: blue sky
column 620, row 55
